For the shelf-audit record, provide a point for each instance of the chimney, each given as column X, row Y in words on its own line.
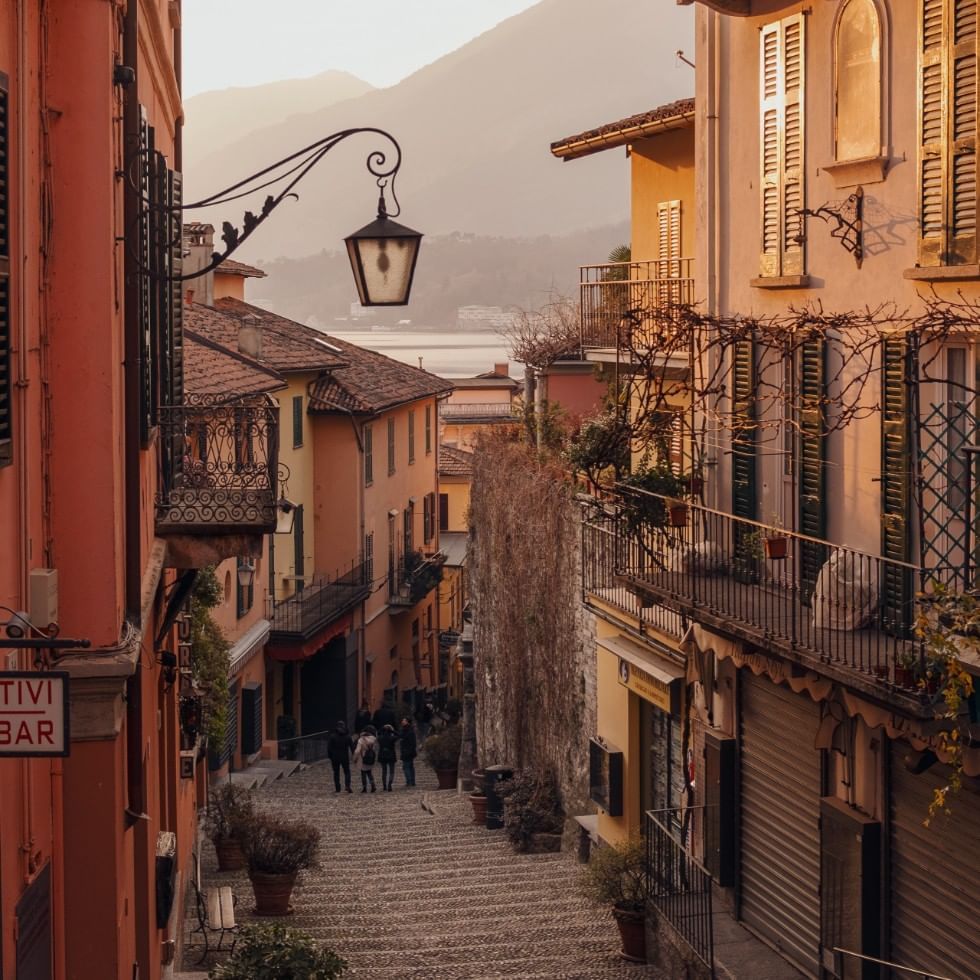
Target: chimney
column 189, row 297
column 501, row 370
column 198, row 249
column 250, row 336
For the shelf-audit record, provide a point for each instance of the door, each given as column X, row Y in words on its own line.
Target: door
column 779, row 882
column 324, row 688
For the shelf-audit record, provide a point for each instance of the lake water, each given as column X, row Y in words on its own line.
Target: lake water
column 448, row 353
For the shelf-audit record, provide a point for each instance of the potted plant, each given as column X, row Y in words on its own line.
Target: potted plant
column 677, row 509
column 748, row 554
column 478, row 797
column 442, row 753
column 230, row 810
column 276, row 850
column 270, row 951
column 777, row 546
column 616, row 875
column 533, row 813
column 935, row 671
column 905, row 663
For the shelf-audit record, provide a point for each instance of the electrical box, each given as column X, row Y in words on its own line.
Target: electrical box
column 43, row 609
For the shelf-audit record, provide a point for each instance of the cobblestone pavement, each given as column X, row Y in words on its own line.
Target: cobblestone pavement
column 405, row 894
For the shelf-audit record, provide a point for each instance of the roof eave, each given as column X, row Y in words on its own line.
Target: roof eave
column 574, row 149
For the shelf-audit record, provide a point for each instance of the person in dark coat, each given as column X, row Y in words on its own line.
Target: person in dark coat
column 339, row 747
column 363, row 718
column 409, row 750
column 387, row 741
column 385, row 715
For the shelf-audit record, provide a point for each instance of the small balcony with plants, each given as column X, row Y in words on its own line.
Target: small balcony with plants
column 218, row 470
column 628, row 304
column 660, row 557
column 413, row 578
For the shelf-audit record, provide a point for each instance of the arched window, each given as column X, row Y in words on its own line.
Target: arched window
column 857, row 82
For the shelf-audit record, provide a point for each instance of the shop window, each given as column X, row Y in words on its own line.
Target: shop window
column 857, row 82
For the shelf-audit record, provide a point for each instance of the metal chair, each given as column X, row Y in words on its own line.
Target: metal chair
column 215, row 915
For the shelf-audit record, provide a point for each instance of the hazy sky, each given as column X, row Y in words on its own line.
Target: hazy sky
column 248, row 42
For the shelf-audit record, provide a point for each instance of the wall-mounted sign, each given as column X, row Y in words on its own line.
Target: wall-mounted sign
column 33, row 713
column 653, row 685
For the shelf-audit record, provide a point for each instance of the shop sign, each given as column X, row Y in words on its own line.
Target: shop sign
column 33, row 713
column 665, row 694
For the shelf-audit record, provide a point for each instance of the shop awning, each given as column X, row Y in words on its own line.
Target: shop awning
column 652, row 677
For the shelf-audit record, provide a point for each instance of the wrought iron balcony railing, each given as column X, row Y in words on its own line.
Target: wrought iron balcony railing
column 414, row 577
column 319, row 602
column 799, row 596
column 456, row 411
column 219, row 458
column 607, row 292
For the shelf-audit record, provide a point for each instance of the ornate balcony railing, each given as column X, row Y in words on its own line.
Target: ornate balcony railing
column 414, row 577
column 802, row 597
column 219, row 457
column 320, row 602
column 477, row 410
column 607, row 292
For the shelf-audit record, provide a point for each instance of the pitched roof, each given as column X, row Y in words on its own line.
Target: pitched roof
column 286, row 345
column 232, row 268
column 673, row 115
column 210, row 368
column 455, row 462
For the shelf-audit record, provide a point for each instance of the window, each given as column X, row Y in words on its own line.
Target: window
column 297, row 421
column 368, row 455
column 781, row 146
column 857, row 82
column 391, row 446
column 443, row 511
column 958, row 427
column 948, row 132
column 393, row 652
column 411, row 437
column 428, row 429
column 369, row 557
column 392, row 555
column 6, row 386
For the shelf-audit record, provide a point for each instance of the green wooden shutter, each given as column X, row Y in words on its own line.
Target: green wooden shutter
column 297, row 421
column 368, row 454
column 896, row 485
column 962, row 143
column 299, row 551
column 176, row 249
column 813, row 458
column 744, row 497
column 147, row 219
column 770, row 129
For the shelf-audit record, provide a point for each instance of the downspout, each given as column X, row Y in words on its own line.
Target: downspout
column 131, row 328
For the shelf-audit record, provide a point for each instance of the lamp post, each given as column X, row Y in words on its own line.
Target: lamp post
column 382, row 254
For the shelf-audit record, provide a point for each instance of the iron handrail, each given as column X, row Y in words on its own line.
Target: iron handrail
column 924, row 974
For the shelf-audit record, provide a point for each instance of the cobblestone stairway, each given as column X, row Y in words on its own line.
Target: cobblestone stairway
column 405, row 894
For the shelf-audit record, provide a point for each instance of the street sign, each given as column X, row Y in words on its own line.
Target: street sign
column 33, row 713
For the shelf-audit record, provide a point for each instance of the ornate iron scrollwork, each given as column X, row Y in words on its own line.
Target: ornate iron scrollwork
column 848, row 223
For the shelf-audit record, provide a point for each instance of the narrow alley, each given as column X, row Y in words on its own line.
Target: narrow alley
column 405, row 893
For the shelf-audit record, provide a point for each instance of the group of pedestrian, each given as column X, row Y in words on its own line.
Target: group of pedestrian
column 375, row 740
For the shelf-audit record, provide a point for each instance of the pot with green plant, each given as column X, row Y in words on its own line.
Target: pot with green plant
column 748, row 553
column 905, row 664
column 270, row 951
column 276, row 850
column 534, row 817
column 230, row 810
column 441, row 751
column 616, row 875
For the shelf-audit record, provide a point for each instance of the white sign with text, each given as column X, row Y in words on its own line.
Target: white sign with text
column 33, row 713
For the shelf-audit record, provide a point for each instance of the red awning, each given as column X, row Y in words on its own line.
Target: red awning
column 303, row 650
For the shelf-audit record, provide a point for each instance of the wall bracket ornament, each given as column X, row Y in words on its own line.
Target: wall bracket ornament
column 847, row 223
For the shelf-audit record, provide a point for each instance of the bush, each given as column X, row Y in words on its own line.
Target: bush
column 273, row 952
column 617, row 875
column 532, row 805
column 230, row 810
column 442, row 749
column 274, row 846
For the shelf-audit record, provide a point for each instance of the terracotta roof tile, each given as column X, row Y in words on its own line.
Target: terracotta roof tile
column 455, row 462
column 232, row 268
column 210, row 368
column 286, row 345
column 626, row 130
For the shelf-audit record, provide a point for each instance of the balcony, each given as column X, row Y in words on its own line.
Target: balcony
column 416, row 575
column 318, row 604
column 219, row 457
column 476, row 412
column 607, row 292
column 842, row 612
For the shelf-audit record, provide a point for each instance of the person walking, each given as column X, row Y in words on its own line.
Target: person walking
column 385, row 715
column 387, row 741
column 363, row 718
column 339, row 747
column 365, row 756
column 423, row 716
column 409, row 750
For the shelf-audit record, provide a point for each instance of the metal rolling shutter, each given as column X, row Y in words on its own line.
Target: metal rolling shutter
column 934, row 871
column 780, row 810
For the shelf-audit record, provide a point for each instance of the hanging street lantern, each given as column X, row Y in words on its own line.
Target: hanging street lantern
column 382, row 257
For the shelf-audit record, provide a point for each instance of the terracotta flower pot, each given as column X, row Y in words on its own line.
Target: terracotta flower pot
column 446, row 778
column 272, row 892
column 230, row 855
column 632, row 932
column 479, row 802
column 776, row 548
column 678, row 515
column 904, row 677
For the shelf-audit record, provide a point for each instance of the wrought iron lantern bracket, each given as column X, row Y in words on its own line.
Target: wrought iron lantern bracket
column 847, row 220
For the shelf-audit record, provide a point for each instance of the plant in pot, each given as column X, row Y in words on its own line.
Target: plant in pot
column 748, row 554
column 442, row 753
column 533, row 813
column 616, row 875
column 905, row 664
column 270, row 951
column 276, row 850
column 230, row 810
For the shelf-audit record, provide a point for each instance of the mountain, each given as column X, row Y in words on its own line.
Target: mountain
column 229, row 115
column 475, row 128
